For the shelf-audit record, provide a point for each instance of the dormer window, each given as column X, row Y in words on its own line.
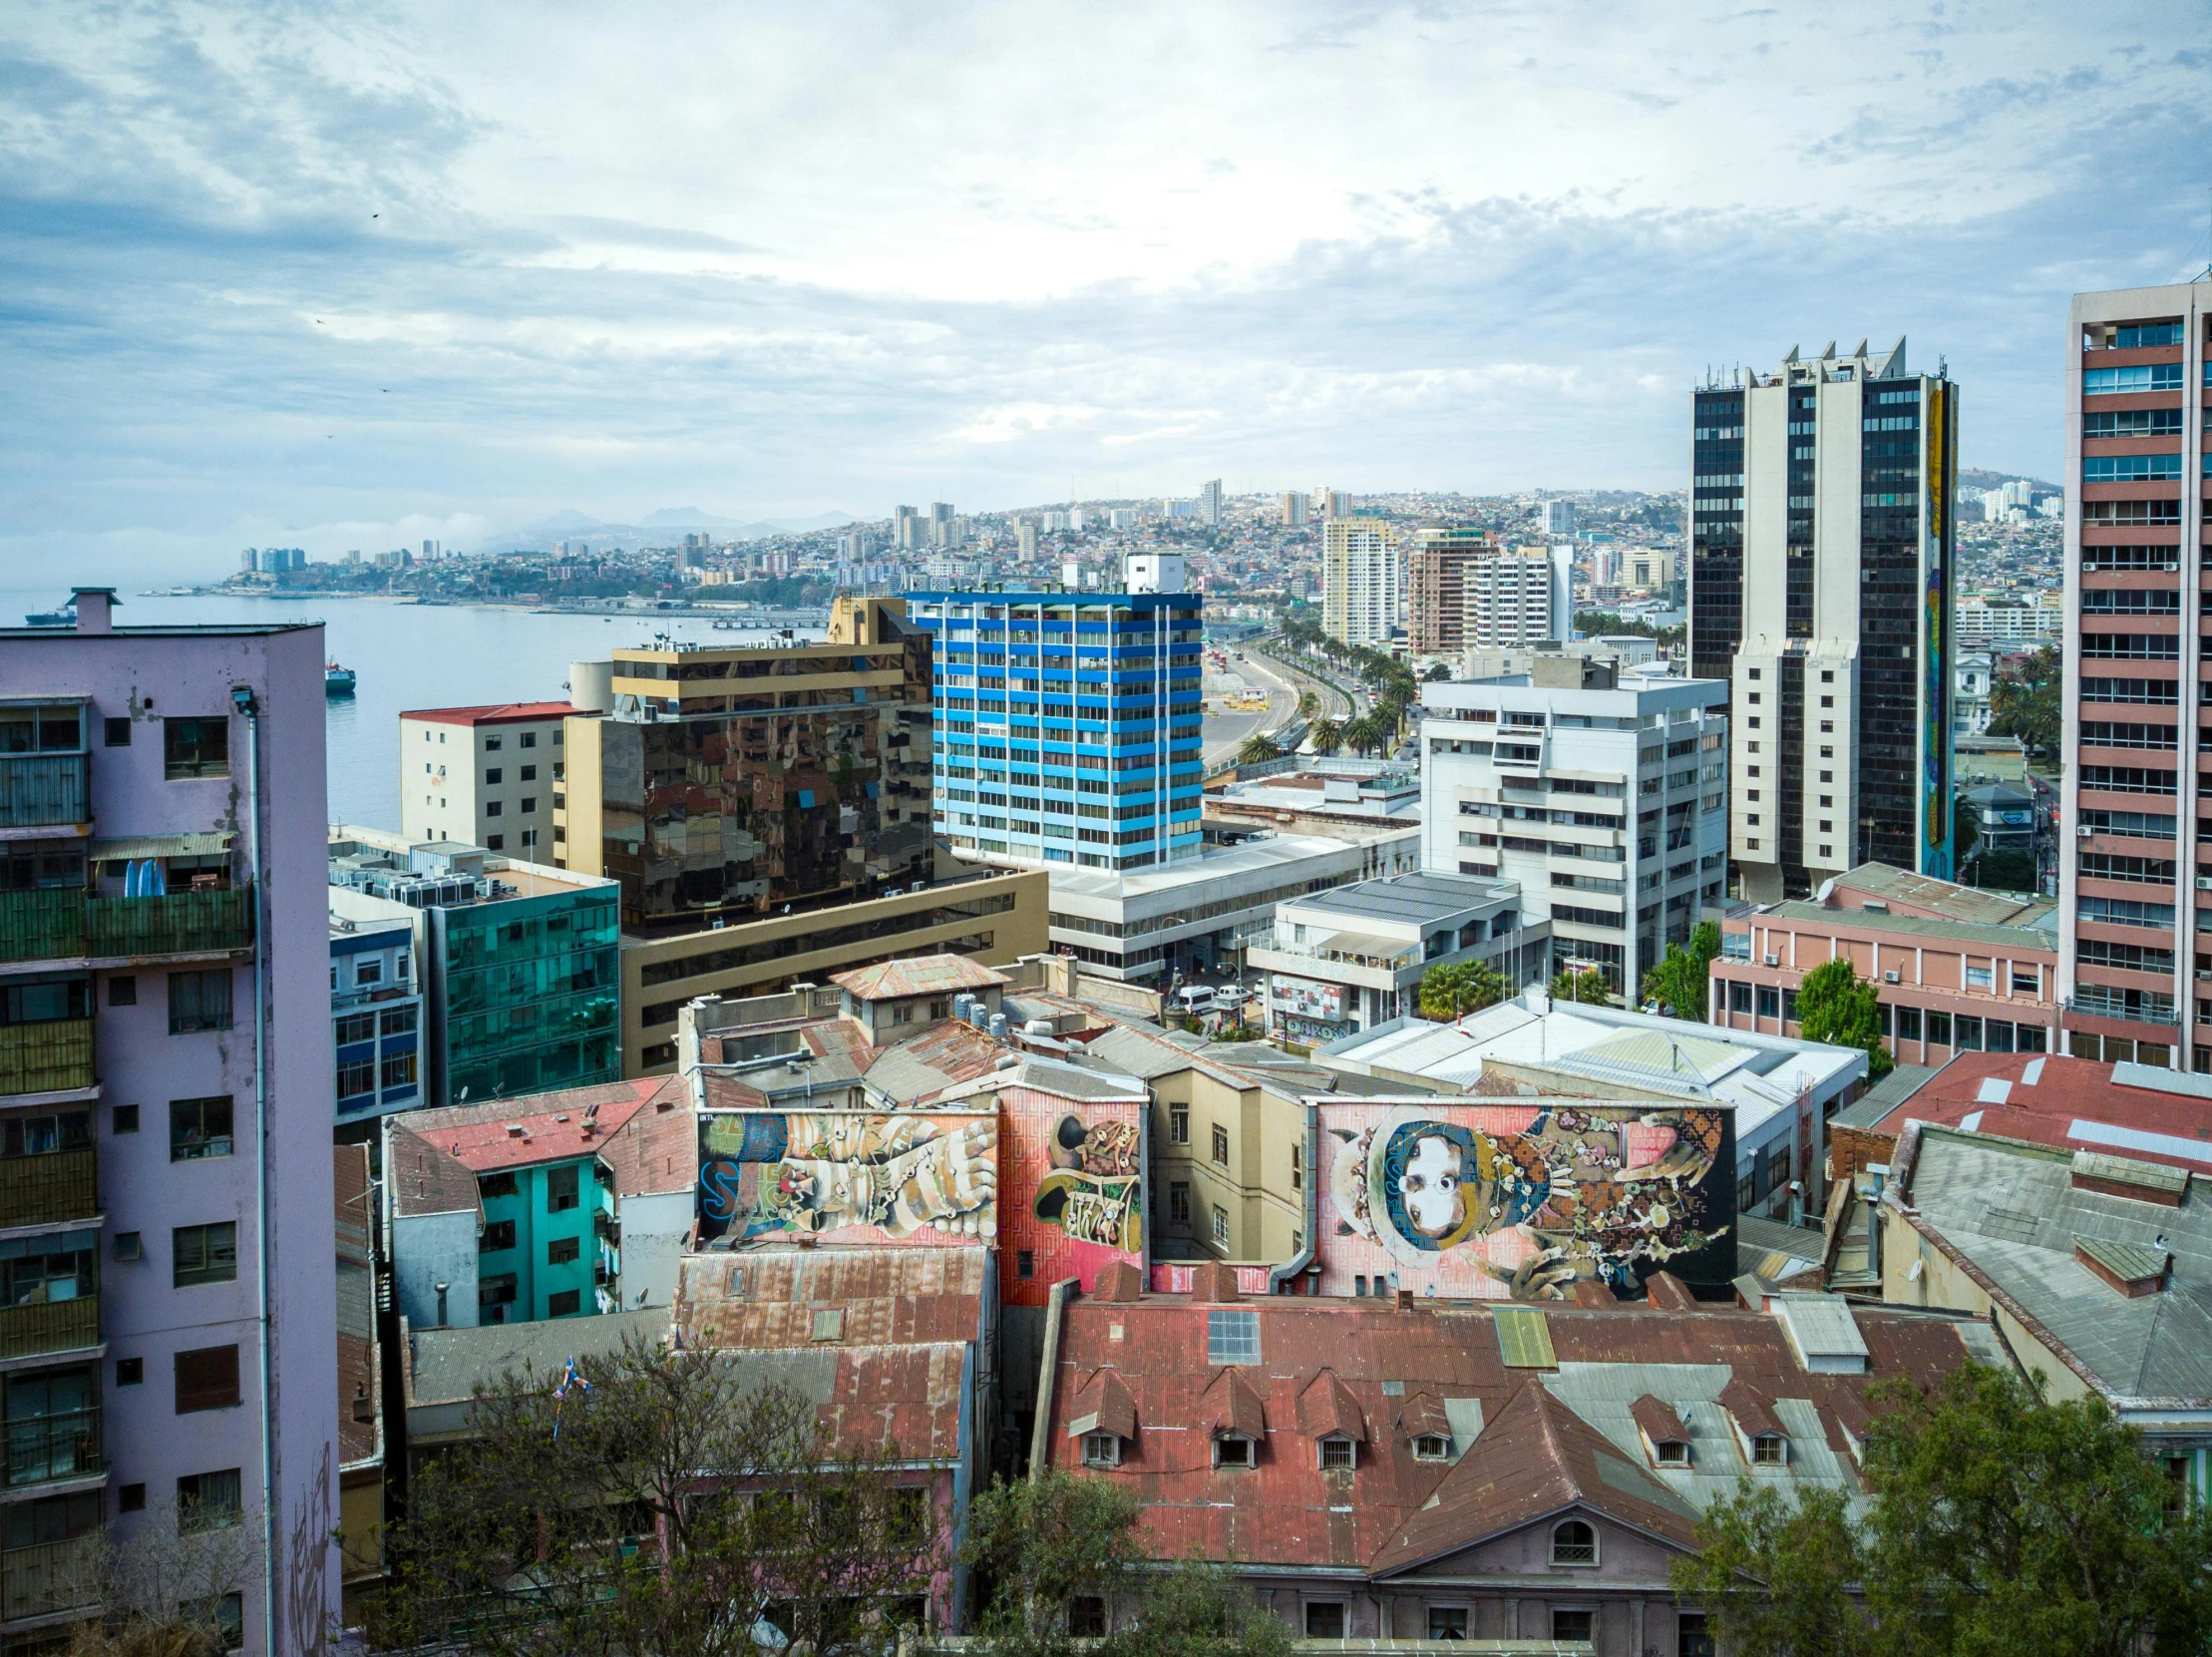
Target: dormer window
column 1234, row 1449
column 1102, row 1450
column 1339, row 1453
column 1770, row 1450
column 1672, row 1453
column 1432, row 1447
column 1574, row 1543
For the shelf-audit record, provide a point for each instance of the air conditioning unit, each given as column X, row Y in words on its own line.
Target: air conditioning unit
column 2083, row 830
column 2204, row 883
column 1773, row 960
column 1890, row 977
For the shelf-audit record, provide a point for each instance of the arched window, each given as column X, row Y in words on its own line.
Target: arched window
column 1574, row 1543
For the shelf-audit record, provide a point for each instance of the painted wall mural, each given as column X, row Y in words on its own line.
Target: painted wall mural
column 848, row 1176
column 1079, row 1165
column 1517, row 1200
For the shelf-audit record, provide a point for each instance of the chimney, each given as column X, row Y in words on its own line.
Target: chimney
column 95, row 608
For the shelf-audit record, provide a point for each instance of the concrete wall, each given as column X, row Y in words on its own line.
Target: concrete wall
column 429, row 1249
column 654, row 1231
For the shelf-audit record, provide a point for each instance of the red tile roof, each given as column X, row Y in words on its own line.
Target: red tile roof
column 554, row 1127
column 493, row 713
column 1989, row 1092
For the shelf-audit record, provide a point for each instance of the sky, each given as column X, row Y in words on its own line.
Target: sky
column 350, row 275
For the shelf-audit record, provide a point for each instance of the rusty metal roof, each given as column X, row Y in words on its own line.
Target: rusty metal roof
column 424, row 1179
column 765, row 1299
column 1657, row 1421
column 925, row 975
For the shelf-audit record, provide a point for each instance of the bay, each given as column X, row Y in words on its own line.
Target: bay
column 408, row 655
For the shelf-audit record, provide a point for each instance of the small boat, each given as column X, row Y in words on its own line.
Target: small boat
column 336, row 680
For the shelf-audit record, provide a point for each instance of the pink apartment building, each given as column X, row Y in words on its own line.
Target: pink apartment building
column 165, row 1077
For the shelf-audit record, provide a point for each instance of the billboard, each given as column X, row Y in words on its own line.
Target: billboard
column 1516, row 1201
column 1305, row 998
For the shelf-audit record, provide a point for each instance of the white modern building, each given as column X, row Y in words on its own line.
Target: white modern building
column 1604, row 793
column 1210, row 503
column 1363, row 581
column 1353, row 957
column 1518, row 595
column 484, row 775
column 1558, row 520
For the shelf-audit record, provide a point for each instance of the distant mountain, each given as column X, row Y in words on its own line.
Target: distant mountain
column 1975, row 477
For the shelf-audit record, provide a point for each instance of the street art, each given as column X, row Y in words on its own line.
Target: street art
column 851, row 1176
column 1517, row 1202
column 1094, row 1191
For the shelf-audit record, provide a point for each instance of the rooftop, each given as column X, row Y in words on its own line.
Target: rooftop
column 2023, row 935
column 492, row 713
column 1266, row 855
column 538, row 1128
column 926, row 974
column 1411, row 897
column 1942, row 898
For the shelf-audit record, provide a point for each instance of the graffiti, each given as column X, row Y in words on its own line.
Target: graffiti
column 1490, row 1201
column 306, row 1603
column 817, row 1172
column 1094, row 1190
column 1934, row 738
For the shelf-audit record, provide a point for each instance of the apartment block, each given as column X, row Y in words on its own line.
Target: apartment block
column 1437, row 559
column 2136, row 968
column 160, row 829
column 1069, row 729
column 376, row 1016
column 1363, row 596
column 483, row 775
column 1823, row 516
column 1603, row 793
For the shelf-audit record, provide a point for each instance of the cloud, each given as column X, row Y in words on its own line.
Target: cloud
column 275, row 264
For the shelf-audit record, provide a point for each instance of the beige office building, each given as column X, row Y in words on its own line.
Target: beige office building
column 482, row 776
column 1361, row 580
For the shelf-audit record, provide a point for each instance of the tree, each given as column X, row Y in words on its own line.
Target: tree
column 2024, row 702
column 1594, row 986
column 666, row 1507
column 1327, row 737
column 1458, row 988
column 1679, row 980
column 1996, row 1523
column 1440, row 673
column 1259, row 748
column 2006, row 871
column 1309, row 704
column 1058, row 1559
column 1836, row 1005
column 1966, row 830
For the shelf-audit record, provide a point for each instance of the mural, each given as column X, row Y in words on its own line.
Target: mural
column 1095, row 1190
column 1517, row 1202
column 1938, row 854
column 855, row 1176
column 1074, row 1177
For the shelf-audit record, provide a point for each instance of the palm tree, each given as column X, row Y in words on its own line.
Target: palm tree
column 1259, row 749
column 1328, row 736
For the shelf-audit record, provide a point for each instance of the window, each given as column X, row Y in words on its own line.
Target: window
column 199, row 1128
column 529, row 740
column 491, row 778
column 1968, row 1037
column 1025, row 1263
column 356, row 1076
column 1179, row 1124
column 1234, row 1449
column 494, row 842
column 198, row 1001
column 495, row 1185
column 1431, row 1447
column 2028, row 980
column 368, row 970
column 228, row 1613
column 1770, row 1449
column 204, row 1253
column 1220, row 1144
column 498, row 1235
column 562, row 1251
column 562, row 1185
column 1770, row 1001
column 206, row 1378
column 398, row 1070
column 1739, row 996
column 355, row 1027
column 195, row 748
column 1672, row 1452
column 1232, row 1337
column 129, row 1245
column 490, row 808
column 130, row 1498
column 118, row 732
column 1447, row 1622
column 1102, row 1450
column 130, row 1371
column 1086, row 1613
column 566, row 1304
column 1571, row 1625
column 1297, row 1166
column 1574, row 1543
column 122, row 991
column 491, row 745
column 1325, row 1619
column 1977, row 977
column 1692, row 1638
column 209, row 1501
column 1339, row 1453
column 1221, row 1226
column 1908, row 1023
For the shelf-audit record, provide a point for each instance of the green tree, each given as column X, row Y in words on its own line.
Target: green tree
column 1966, row 830
column 1679, row 980
column 1309, row 704
column 1836, row 1005
column 1439, row 673
column 1592, row 987
column 1259, row 748
column 1459, row 986
column 2024, row 702
column 1996, row 1523
column 2006, row 871
column 1328, row 736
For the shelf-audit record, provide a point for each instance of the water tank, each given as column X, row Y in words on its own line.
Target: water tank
column 998, row 1026
column 592, row 686
column 1037, row 1027
column 963, row 1007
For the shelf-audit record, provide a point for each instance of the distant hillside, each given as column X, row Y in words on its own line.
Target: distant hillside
column 1973, row 477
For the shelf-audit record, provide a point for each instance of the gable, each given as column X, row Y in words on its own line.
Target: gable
column 1623, row 1551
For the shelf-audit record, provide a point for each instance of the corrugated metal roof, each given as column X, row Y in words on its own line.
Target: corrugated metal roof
column 925, row 975
column 2129, row 1262
column 1821, row 1327
column 159, row 845
column 1868, row 1109
column 2019, row 937
column 1524, row 1340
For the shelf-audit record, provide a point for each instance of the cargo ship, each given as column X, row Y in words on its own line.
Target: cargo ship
column 336, row 680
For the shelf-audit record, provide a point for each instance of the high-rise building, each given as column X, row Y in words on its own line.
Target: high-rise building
column 166, row 1069
column 1361, row 597
column 1026, row 540
column 905, row 529
column 483, row 775
column 1436, row 561
column 1068, row 730
column 1520, row 596
column 1634, row 766
column 2132, row 960
column 1824, row 513
column 1335, row 503
column 1294, row 506
column 1210, row 503
column 1559, row 521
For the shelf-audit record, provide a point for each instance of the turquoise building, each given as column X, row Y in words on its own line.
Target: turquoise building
column 548, row 1247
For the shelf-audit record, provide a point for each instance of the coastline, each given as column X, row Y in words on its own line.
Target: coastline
column 736, row 610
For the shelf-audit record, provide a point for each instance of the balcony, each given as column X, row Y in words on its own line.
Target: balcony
column 49, row 1058
column 48, row 1450
column 50, row 1578
column 52, row 1327
column 65, row 924
column 51, row 1189
column 44, row 791
column 2137, row 1007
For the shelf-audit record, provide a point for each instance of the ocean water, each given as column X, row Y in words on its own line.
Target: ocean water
column 406, row 657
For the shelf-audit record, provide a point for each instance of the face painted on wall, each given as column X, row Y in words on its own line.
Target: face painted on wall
column 1429, row 1186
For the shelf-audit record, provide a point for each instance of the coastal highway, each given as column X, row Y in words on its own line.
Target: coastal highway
column 1225, row 733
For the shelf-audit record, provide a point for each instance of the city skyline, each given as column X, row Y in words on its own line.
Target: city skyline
column 424, row 279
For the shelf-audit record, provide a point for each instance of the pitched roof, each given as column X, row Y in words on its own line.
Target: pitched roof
column 1103, row 1405
column 422, row 1179
column 924, row 975
column 554, row 1127
column 1231, row 1405
column 1327, row 1408
column 1657, row 1421
column 1941, row 897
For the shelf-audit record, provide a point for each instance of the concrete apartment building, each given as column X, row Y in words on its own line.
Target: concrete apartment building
column 1824, row 513
column 2134, row 967
column 485, row 777
column 1465, row 592
column 1603, row 793
column 165, row 1089
column 376, row 1016
column 1437, row 558
column 1362, row 580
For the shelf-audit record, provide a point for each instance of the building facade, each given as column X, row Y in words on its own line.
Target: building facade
column 1436, row 563
column 1362, row 594
column 161, row 803
column 1068, row 728
column 1603, row 794
column 1824, row 513
column 2131, row 958
column 483, row 775
column 376, row 1015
